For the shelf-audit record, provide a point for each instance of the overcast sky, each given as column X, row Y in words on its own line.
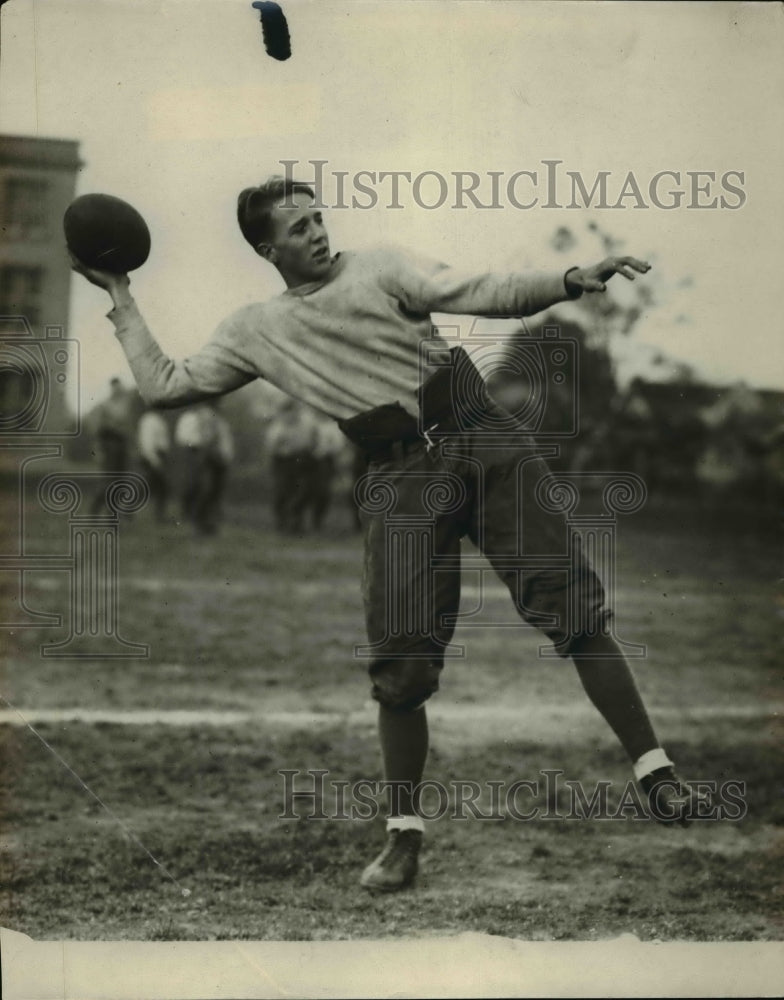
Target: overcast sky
column 177, row 107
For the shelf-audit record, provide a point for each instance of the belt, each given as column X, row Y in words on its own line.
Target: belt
column 451, row 401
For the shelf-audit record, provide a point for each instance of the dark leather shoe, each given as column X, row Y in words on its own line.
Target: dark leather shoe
column 397, row 865
column 671, row 800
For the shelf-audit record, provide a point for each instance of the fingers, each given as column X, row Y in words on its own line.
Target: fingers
column 595, row 278
column 625, row 266
column 79, row 267
column 76, row 264
column 103, row 279
column 622, row 265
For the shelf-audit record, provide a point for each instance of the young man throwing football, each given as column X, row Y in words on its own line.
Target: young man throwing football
column 346, row 338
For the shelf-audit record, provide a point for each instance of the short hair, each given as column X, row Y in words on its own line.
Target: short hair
column 254, row 205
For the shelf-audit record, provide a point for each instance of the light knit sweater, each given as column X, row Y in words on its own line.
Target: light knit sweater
column 343, row 345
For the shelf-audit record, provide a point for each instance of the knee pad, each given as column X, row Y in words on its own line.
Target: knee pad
column 405, row 685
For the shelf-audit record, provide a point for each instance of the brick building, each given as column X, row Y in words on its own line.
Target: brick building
column 38, row 393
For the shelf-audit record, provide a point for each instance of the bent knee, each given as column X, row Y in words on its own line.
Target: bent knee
column 405, row 684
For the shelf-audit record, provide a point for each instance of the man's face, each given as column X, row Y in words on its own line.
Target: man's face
column 299, row 241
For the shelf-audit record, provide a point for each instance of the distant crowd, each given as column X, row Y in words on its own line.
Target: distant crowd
column 306, row 453
column 717, row 443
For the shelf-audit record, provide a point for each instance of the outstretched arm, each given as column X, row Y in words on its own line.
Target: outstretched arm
column 162, row 382
column 425, row 286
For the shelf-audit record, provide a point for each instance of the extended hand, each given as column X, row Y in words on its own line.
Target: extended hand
column 595, row 278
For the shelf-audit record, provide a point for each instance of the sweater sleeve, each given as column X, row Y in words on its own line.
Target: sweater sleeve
column 216, row 369
column 424, row 286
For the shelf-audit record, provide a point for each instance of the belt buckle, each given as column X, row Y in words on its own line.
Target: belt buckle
column 430, row 442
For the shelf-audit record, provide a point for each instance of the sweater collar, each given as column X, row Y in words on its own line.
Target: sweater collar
column 313, row 286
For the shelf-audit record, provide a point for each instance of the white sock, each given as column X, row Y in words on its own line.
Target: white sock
column 406, row 823
column 650, row 762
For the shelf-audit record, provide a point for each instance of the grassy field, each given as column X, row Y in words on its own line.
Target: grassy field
column 250, row 671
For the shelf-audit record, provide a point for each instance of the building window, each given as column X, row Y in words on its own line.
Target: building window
column 20, row 292
column 25, row 213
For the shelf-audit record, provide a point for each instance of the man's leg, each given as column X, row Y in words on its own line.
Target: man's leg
column 214, row 471
column 221, row 475
column 404, row 743
column 291, row 493
column 148, row 474
column 512, row 521
column 302, row 490
column 163, row 493
column 403, row 735
column 323, row 475
column 279, row 495
column 113, row 461
column 610, row 684
column 202, row 494
column 405, row 603
column 190, row 496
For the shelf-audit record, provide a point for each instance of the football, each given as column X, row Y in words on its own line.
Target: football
column 106, row 233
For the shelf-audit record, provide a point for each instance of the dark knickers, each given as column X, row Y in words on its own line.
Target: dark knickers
column 416, row 504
